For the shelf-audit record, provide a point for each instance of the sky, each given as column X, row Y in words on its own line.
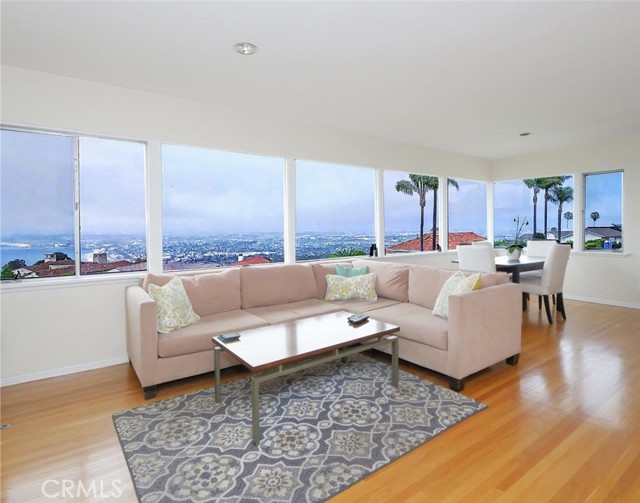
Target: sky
column 37, row 183
column 209, row 192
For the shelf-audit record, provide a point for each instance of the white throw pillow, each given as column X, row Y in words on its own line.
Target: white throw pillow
column 173, row 306
column 361, row 287
column 458, row 283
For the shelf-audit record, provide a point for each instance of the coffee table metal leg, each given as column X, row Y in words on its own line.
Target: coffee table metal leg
column 394, row 360
column 216, row 362
column 255, row 410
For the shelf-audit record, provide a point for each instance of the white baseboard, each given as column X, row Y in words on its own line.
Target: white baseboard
column 607, row 302
column 46, row 374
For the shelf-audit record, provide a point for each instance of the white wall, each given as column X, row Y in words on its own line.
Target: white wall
column 597, row 277
column 49, row 101
column 51, row 330
column 54, row 330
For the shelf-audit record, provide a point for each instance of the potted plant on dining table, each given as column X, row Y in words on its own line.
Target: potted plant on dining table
column 515, row 250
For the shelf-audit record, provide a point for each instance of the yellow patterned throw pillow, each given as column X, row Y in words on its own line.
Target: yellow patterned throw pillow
column 456, row 284
column 173, row 306
column 361, row 287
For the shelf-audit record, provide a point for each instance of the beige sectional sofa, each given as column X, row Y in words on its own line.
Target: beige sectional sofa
column 483, row 327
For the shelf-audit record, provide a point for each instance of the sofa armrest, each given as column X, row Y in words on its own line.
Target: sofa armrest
column 142, row 334
column 485, row 326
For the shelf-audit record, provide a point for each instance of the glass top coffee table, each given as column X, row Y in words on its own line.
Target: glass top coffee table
column 285, row 348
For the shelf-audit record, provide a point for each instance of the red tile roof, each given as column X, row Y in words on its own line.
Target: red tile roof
column 253, row 260
column 455, row 239
column 67, row 267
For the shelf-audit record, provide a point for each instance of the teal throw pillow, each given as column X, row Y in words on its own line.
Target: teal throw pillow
column 350, row 272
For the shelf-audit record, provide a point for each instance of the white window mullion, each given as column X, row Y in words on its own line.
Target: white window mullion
column 379, row 210
column 289, row 211
column 76, row 206
column 443, row 213
column 491, row 231
column 154, row 206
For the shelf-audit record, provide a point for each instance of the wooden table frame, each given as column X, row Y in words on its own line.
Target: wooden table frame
column 357, row 343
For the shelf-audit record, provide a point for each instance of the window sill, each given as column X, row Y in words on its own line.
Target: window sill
column 601, row 254
column 21, row 285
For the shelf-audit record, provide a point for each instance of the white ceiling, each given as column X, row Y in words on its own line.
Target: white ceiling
column 466, row 77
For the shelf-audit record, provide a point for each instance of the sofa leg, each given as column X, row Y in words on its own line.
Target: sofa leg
column 150, row 391
column 513, row 360
column 456, row 384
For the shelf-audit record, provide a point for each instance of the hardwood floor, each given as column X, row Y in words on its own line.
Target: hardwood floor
column 562, row 426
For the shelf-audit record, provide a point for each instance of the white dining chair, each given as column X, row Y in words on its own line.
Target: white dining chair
column 476, row 258
column 551, row 281
column 539, row 247
column 482, row 243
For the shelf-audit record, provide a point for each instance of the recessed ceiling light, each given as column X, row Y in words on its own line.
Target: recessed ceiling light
column 245, row 48
column 525, row 134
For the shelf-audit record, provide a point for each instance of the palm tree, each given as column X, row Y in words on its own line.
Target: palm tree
column 420, row 185
column 595, row 216
column 559, row 194
column 547, row 184
column 568, row 216
column 535, row 184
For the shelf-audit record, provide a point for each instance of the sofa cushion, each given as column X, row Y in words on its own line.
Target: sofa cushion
column 196, row 338
column 493, row 278
column 293, row 310
column 350, row 272
column 392, row 280
column 457, row 284
column 425, row 284
column 277, row 284
column 209, row 293
column 173, row 308
column 359, row 287
column 363, row 306
column 320, row 271
column 416, row 323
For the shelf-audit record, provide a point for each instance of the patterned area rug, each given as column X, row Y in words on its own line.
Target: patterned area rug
column 323, row 430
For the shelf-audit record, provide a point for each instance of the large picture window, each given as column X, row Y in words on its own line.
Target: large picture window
column 411, row 212
column 112, row 216
column 45, row 206
column 603, row 211
column 334, row 210
column 533, row 208
column 467, row 212
column 221, row 208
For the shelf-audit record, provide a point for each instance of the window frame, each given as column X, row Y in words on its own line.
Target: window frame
column 367, row 171
column 161, row 217
column 442, row 218
column 77, row 254
column 486, row 207
column 585, row 216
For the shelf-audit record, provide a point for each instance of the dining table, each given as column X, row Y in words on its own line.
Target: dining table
column 515, row 267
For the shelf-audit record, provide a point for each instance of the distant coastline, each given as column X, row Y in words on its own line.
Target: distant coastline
column 214, row 250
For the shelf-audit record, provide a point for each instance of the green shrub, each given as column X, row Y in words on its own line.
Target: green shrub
column 593, row 244
column 347, row 252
